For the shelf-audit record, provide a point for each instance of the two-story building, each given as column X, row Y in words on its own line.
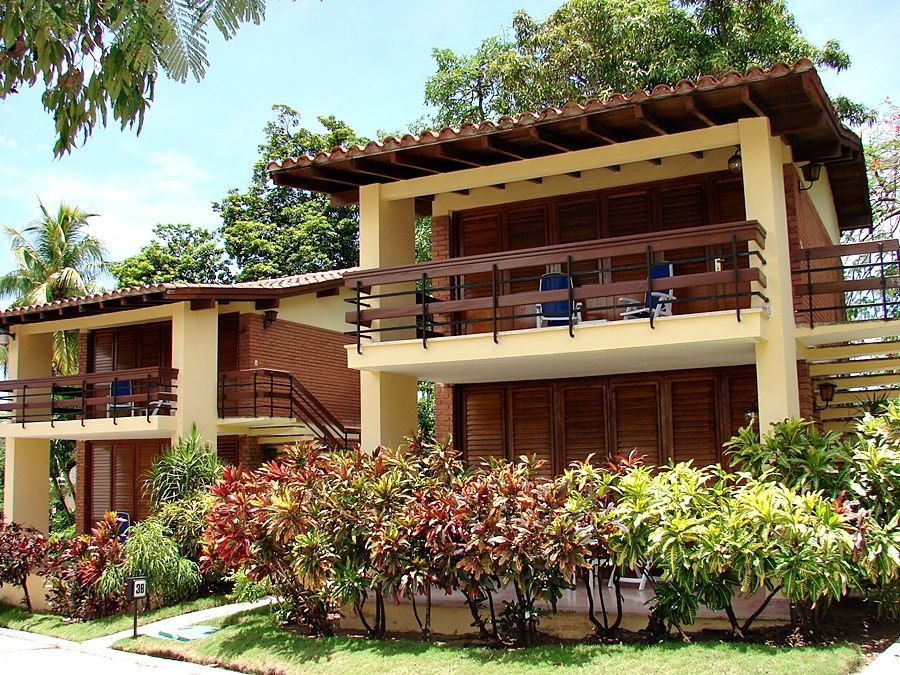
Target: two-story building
column 252, row 366
column 650, row 271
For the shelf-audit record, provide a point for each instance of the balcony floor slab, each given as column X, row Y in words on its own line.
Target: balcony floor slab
column 155, row 426
column 616, row 347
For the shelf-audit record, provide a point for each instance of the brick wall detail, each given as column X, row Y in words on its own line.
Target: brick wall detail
column 314, row 355
column 443, row 411
column 805, row 230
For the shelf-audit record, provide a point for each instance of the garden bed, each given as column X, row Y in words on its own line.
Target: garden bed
column 79, row 631
column 253, row 642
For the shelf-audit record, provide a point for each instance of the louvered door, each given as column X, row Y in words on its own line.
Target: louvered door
column 636, row 422
column 483, row 424
column 479, row 233
column 525, row 228
column 695, row 424
column 626, row 215
column 682, row 207
column 124, row 488
column 531, row 425
column 146, row 453
column 729, row 207
column 580, row 221
column 101, row 480
column 584, row 422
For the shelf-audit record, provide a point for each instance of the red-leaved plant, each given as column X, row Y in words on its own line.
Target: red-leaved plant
column 74, row 568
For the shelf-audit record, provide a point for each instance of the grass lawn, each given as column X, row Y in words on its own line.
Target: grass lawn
column 253, row 643
column 79, row 631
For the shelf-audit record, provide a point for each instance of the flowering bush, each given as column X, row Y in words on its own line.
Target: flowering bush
column 22, row 551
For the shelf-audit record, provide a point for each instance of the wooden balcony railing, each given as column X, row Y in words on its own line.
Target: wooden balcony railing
column 847, row 282
column 144, row 392
column 499, row 291
column 263, row 392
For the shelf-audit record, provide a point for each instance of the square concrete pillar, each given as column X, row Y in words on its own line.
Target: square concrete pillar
column 764, row 200
column 195, row 349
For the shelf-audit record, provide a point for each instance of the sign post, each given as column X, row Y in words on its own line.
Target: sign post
column 135, row 589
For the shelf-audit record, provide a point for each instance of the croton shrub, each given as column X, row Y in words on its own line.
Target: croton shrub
column 336, row 529
column 22, row 551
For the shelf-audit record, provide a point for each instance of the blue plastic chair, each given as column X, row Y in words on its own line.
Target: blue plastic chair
column 556, row 313
column 655, row 303
column 119, row 389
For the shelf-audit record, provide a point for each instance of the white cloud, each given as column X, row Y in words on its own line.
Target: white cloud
column 130, row 196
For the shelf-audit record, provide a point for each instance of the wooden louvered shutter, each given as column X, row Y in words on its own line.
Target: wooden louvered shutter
column 147, row 452
column 227, row 450
column 637, row 420
column 478, row 234
column 124, row 497
column 525, row 228
column 695, row 421
column 680, row 208
column 483, row 424
column 531, row 424
column 229, row 328
column 102, row 356
column 100, row 481
column 584, row 424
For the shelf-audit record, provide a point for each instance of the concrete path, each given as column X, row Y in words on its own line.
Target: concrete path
column 22, row 652
column 887, row 663
column 176, row 622
column 38, row 654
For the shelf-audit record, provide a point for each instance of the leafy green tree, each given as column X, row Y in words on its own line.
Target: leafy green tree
column 55, row 258
column 273, row 231
column 96, row 57
column 178, row 252
column 589, row 48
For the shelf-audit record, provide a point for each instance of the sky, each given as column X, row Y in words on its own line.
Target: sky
column 363, row 61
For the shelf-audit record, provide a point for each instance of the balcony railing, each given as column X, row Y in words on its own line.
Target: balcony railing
column 263, row 392
column 847, row 282
column 496, row 292
column 144, row 392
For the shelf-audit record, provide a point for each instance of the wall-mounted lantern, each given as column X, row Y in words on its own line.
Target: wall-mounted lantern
column 269, row 317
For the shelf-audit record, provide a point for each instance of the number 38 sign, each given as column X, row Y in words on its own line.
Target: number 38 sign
column 135, row 587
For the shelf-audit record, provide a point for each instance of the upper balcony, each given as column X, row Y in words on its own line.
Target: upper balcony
column 139, row 402
column 445, row 319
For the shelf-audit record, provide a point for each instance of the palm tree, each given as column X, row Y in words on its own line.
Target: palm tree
column 56, row 258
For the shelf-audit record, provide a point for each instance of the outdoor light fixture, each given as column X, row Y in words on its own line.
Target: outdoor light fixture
column 752, row 413
column 269, row 317
column 811, row 173
column 735, row 163
column 826, row 393
column 5, row 337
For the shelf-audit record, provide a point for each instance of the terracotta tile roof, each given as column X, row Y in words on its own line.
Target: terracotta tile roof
column 569, row 110
column 180, row 291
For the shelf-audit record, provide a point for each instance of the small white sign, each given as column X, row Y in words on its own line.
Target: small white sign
column 140, row 588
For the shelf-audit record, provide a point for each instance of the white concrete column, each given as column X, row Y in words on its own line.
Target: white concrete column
column 386, row 239
column 776, row 355
column 388, row 409
column 195, row 349
column 26, row 497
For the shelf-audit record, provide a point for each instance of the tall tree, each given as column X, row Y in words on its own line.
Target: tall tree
column 273, row 231
column 178, row 252
column 589, row 48
column 96, row 57
column 55, row 258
